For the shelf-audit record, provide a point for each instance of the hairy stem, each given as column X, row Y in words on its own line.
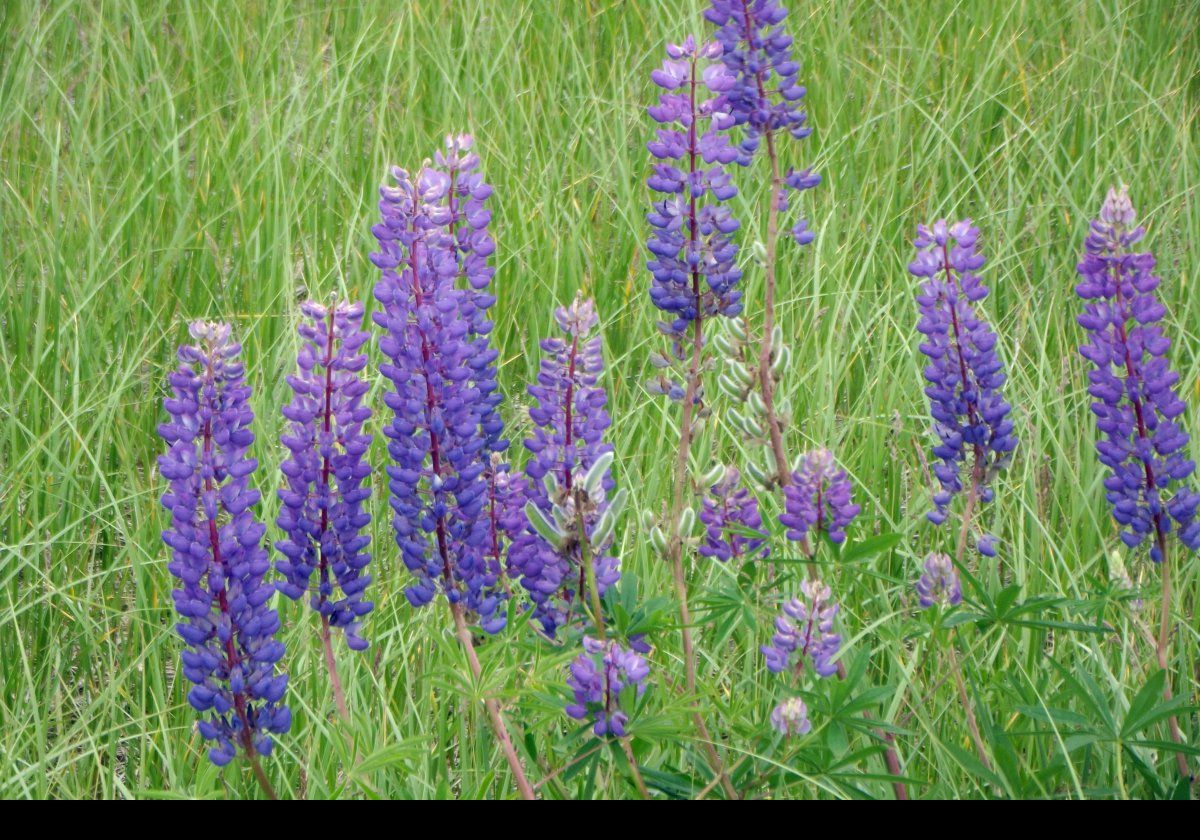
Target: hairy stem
column 339, row 696
column 493, row 707
column 765, row 375
column 1163, row 649
column 963, row 698
column 259, row 774
column 638, row 781
column 890, row 758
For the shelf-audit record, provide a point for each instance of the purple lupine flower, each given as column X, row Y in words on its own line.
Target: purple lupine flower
column 217, row 553
column 939, row 584
column 818, row 499
column 506, row 497
column 598, row 678
column 466, row 217
column 810, row 636
column 325, row 476
column 728, row 509
column 441, row 381
column 692, row 257
column 970, row 416
column 766, row 97
column 567, row 439
column 1136, row 401
column 791, row 718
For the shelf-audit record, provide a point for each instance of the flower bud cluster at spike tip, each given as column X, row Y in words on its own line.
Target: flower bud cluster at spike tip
column 216, row 550
column 730, row 510
column 692, row 256
column 1136, row 403
column 325, row 476
column 791, row 718
column 970, row 415
column 599, row 676
column 766, row 96
column 442, row 378
column 569, row 422
column 805, row 629
column 939, row 584
column 818, row 499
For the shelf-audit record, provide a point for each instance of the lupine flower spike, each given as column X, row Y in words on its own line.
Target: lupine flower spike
column 818, row 501
column 791, row 718
column 692, row 255
column 965, row 376
column 729, row 512
column 805, row 630
column 765, row 100
column 695, row 274
column 438, row 438
column 569, row 476
column 443, row 397
column 939, row 584
column 605, row 678
column 1136, row 402
column 217, row 553
column 326, row 479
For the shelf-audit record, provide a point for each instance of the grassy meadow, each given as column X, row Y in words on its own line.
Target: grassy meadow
column 166, row 161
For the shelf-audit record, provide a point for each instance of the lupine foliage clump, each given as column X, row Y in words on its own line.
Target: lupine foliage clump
column 325, row 477
column 217, row 553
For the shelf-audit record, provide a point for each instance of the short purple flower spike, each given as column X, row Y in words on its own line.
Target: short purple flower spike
column 965, row 376
column 599, row 676
column 939, row 584
column 766, row 97
column 818, row 500
column 216, row 550
column 730, row 510
column 441, row 369
column 325, row 476
column 1136, row 400
column 568, row 437
column 791, row 718
column 811, row 635
column 693, row 257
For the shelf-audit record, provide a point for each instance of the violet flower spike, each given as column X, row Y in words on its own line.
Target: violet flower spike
column 569, row 422
column 728, row 507
column 790, row 718
column 217, row 552
column 440, row 375
column 939, row 584
column 598, row 678
column 326, row 480
column 970, row 415
column 805, row 630
column 766, row 96
column 692, row 253
column 1135, row 395
column 818, row 500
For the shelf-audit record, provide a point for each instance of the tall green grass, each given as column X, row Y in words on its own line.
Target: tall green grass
column 165, row 161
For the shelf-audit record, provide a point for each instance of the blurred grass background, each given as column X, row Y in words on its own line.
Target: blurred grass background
column 165, row 161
